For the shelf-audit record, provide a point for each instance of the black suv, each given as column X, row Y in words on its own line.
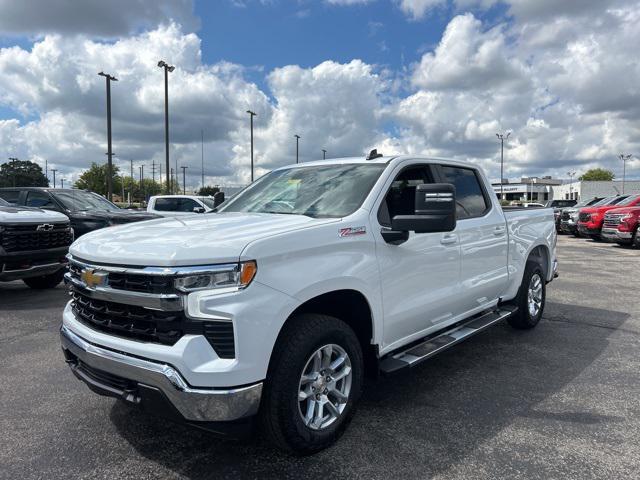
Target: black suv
column 87, row 211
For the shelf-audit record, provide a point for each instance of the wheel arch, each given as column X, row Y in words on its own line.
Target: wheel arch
column 348, row 305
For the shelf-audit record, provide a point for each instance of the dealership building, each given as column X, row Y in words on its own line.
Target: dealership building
column 542, row 189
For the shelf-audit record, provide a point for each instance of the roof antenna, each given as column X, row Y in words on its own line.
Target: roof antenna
column 374, row 154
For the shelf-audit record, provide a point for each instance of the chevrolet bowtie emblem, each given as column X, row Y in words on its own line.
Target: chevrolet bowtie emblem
column 94, row 278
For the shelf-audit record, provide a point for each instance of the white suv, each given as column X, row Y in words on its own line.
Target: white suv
column 173, row 205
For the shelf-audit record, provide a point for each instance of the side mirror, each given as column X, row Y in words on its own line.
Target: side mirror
column 198, row 210
column 218, row 198
column 435, row 210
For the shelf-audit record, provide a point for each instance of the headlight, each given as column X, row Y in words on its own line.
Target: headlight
column 219, row 276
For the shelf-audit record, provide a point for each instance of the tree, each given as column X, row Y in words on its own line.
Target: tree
column 24, row 173
column 95, row 179
column 595, row 174
column 208, row 191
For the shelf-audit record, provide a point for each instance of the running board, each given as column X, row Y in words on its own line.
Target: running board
column 434, row 345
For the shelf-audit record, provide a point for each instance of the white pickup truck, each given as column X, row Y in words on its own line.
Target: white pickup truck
column 307, row 280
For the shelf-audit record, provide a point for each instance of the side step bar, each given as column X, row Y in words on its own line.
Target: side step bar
column 416, row 354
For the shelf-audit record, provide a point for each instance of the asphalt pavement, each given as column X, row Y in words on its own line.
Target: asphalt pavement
column 560, row 401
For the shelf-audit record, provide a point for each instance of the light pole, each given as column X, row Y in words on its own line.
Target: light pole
column 184, row 180
column 61, row 182
column 202, row 153
column 324, row 154
column 502, row 138
column 141, row 168
column 54, row 170
column 624, row 159
column 251, row 115
column 297, row 145
column 109, row 78
column 571, row 173
column 167, row 68
column 13, row 164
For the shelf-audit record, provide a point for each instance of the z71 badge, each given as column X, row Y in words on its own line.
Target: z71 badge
column 351, row 231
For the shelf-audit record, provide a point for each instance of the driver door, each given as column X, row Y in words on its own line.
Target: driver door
column 420, row 277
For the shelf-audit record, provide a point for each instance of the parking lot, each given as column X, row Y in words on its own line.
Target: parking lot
column 561, row 401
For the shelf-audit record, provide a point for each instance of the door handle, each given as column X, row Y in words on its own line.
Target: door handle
column 448, row 239
column 499, row 230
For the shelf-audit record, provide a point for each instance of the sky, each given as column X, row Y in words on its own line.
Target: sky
column 428, row 77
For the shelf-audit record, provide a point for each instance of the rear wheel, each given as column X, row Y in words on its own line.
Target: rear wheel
column 531, row 298
column 46, row 281
column 313, row 385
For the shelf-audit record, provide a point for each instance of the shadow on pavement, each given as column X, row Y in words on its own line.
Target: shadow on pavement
column 418, row 423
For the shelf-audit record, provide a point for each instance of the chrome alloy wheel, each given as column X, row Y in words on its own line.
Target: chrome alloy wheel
column 534, row 295
column 324, row 386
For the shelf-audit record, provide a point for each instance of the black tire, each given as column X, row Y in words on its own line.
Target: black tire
column 46, row 281
column 635, row 240
column 281, row 419
column 523, row 319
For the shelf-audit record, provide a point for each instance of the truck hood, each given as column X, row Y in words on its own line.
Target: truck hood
column 115, row 217
column 29, row 215
column 180, row 241
column 623, row 210
column 602, row 209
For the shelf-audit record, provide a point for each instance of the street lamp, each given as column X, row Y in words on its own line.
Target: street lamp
column 108, row 79
column 297, row 145
column 324, row 154
column 571, row 173
column 502, row 138
column 184, row 180
column 54, row 170
column 13, row 164
column 251, row 115
column 167, row 68
column 624, row 159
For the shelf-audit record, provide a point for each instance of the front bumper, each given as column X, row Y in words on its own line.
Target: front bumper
column 616, row 235
column 584, row 230
column 568, row 227
column 19, row 265
column 157, row 387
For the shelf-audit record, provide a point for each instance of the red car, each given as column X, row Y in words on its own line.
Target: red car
column 590, row 219
column 621, row 226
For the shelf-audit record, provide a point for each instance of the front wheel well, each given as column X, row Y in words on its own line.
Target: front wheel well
column 351, row 307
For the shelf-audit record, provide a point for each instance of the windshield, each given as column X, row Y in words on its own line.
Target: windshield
column 209, row 202
column 628, row 200
column 318, row 191
column 75, row 200
column 604, row 201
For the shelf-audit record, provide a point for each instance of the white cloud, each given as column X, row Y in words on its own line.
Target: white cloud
column 98, row 18
column 418, row 9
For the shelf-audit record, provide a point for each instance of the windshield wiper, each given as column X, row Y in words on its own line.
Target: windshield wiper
column 286, row 213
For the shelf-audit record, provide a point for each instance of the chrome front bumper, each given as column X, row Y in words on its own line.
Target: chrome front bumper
column 615, row 234
column 193, row 404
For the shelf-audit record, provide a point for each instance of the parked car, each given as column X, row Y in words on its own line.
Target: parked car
column 176, row 205
column 621, row 226
column 557, row 206
column 568, row 218
column 33, row 245
column 87, row 211
column 307, row 279
column 590, row 219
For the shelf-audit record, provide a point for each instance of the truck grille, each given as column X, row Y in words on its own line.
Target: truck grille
column 584, row 217
column 565, row 216
column 140, row 323
column 612, row 220
column 133, row 283
column 24, row 238
column 129, row 321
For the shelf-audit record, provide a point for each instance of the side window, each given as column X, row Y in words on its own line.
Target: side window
column 39, row 199
column 400, row 199
column 188, row 204
column 10, row 196
column 470, row 198
column 166, row 204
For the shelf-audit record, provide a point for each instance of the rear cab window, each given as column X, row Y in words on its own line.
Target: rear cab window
column 471, row 198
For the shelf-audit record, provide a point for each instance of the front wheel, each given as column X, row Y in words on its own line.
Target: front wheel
column 45, row 281
column 531, row 298
column 313, row 385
